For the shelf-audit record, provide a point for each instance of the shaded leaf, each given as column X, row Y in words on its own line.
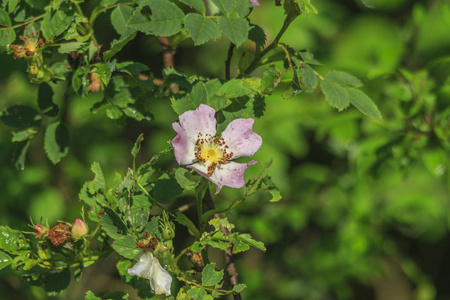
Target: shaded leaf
column 335, row 94
column 167, row 18
column 119, row 18
column 345, row 78
column 20, row 116
column 235, row 29
column 197, row 4
column 45, row 100
column 56, row 142
column 201, row 29
column 363, row 103
column 126, row 247
column 54, row 25
column 210, row 276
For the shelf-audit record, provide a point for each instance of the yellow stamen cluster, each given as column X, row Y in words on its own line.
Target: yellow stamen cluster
column 31, row 43
column 212, row 151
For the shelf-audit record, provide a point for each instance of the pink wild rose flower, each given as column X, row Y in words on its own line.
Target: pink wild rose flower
column 197, row 146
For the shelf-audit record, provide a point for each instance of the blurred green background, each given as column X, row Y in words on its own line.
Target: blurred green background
column 365, row 208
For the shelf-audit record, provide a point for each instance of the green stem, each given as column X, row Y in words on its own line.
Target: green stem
column 255, row 62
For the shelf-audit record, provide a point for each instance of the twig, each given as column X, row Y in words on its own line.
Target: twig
column 228, row 61
column 168, row 53
column 231, row 269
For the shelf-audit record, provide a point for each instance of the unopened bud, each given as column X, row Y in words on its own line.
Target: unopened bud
column 79, row 229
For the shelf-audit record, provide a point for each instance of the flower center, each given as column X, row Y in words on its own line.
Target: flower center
column 211, row 151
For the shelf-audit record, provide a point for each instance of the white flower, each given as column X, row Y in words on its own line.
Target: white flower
column 148, row 267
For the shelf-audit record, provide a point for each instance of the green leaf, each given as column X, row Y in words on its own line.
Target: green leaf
column 235, row 88
column 183, row 220
column 218, row 223
column 137, row 145
column 335, row 94
column 4, row 18
column 126, row 247
column 243, row 8
column 99, row 180
column 90, row 296
column 197, row 4
column 363, row 103
column 20, row 116
column 239, row 288
column 235, row 29
column 199, row 294
column 214, row 100
column 139, row 22
column 186, row 179
column 132, row 68
column 56, row 142
column 23, row 135
column 272, row 188
column 119, row 18
column 57, row 282
column 222, row 245
column 345, row 78
column 201, row 29
column 257, row 35
column 244, row 241
column 11, row 240
column 166, row 188
column 167, row 18
column 117, row 45
column 7, row 37
column 309, row 79
column 53, row 26
column 308, row 57
column 191, row 100
column 269, row 80
column 45, row 100
column 20, row 152
column 210, row 276
column 225, row 6
column 5, row 260
column 69, row 47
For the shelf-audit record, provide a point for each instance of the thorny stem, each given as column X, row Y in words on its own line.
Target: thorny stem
column 231, row 268
column 228, row 61
column 274, row 44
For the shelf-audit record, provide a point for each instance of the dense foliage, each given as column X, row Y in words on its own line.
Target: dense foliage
column 343, row 104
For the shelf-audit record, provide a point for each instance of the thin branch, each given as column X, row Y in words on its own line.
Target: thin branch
column 228, row 61
column 168, row 54
column 231, row 268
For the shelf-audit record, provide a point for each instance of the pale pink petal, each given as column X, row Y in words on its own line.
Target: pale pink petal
column 254, row 3
column 240, row 138
column 183, row 147
column 230, row 174
column 197, row 121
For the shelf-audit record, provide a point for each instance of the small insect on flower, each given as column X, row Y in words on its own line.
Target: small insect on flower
column 198, row 146
column 148, row 267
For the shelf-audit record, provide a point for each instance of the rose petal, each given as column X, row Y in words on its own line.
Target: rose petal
column 254, row 3
column 230, row 174
column 161, row 280
column 240, row 138
column 197, row 121
column 183, row 147
column 143, row 268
